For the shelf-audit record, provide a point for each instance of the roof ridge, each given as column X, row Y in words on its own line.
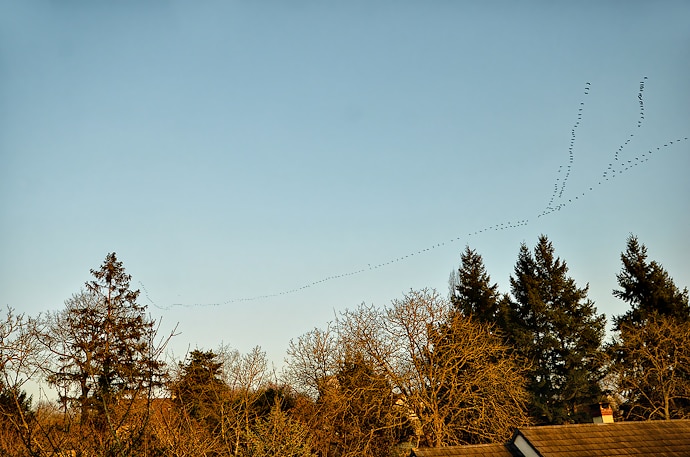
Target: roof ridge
column 592, row 424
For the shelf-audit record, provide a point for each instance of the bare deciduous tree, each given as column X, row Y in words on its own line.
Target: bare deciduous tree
column 350, row 406
column 453, row 379
column 651, row 368
column 313, row 358
column 459, row 381
column 20, row 359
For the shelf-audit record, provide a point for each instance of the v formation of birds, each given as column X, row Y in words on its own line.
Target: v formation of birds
column 557, row 202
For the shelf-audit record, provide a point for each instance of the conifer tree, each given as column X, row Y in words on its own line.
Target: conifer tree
column 124, row 354
column 106, row 360
column 472, row 293
column 200, row 389
column 553, row 324
column 650, row 351
column 648, row 288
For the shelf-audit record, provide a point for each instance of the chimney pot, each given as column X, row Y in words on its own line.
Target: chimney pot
column 602, row 413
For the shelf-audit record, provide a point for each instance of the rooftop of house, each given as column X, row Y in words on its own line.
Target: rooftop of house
column 658, row 438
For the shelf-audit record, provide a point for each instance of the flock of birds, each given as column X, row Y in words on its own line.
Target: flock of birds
column 556, row 203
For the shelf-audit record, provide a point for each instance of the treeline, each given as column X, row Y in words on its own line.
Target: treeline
column 426, row 370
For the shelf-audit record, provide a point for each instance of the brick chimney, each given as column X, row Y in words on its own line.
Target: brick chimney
column 602, row 413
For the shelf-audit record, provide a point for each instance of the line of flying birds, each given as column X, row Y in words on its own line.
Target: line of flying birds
column 614, row 169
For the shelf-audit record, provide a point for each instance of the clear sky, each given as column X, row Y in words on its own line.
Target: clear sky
column 259, row 166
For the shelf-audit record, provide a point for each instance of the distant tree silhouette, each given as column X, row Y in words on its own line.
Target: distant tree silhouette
column 199, row 390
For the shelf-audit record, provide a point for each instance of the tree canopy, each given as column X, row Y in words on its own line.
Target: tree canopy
column 424, row 370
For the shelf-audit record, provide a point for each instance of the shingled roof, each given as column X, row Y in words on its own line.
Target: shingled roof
column 657, row 438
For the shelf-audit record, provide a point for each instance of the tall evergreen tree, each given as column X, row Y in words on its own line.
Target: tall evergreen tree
column 553, row 324
column 648, row 288
column 472, row 293
column 104, row 345
column 650, row 350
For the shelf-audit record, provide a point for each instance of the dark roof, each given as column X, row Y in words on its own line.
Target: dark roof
column 477, row 450
column 658, row 438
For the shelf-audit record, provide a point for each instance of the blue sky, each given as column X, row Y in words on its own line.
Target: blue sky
column 268, row 164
